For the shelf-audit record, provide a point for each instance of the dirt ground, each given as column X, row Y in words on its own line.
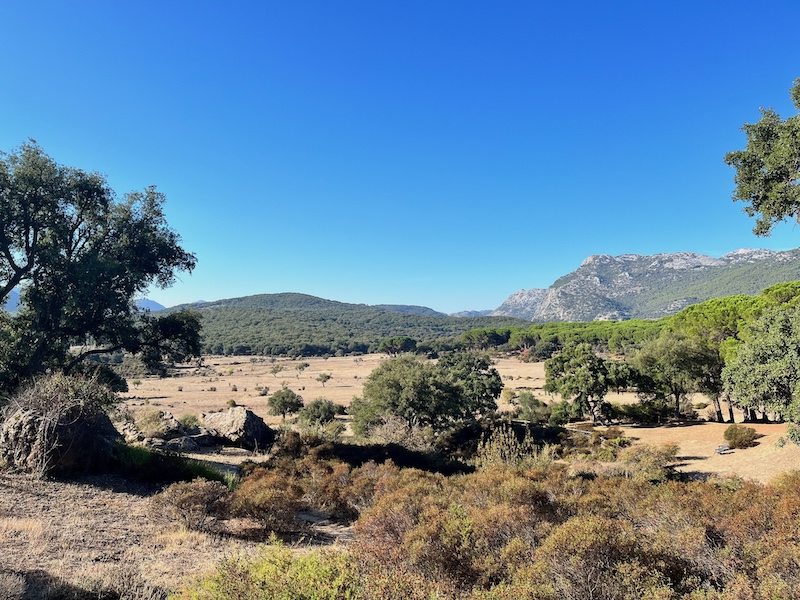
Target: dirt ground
column 237, row 379
column 103, row 530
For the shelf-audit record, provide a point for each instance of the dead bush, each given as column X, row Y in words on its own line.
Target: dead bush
column 58, row 424
column 270, row 498
column 196, row 504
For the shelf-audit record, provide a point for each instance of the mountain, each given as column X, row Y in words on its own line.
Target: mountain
column 522, row 304
column 472, row 313
column 12, row 302
column 298, row 324
column 147, row 304
column 632, row 286
column 410, row 310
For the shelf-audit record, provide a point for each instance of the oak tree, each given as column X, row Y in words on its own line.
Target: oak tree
column 79, row 258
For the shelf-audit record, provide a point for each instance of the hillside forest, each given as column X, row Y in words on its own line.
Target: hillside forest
column 446, row 496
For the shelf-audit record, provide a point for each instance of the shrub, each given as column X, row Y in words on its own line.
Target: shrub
column 648, row 463
column 739, row 436
column 271, row 498
column 58, row 423
column 394, row 430
column 793, row 434
column 194, row 504
column 275, row 572
column 503, row 447
column 319, row 411
column 151, row 423
column 532, row 409
column 153, row 466
column 189, row 421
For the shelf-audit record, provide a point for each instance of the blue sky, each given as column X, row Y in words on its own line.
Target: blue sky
column 445, row 154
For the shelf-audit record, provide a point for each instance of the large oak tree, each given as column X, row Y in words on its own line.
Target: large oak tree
column 79, row 258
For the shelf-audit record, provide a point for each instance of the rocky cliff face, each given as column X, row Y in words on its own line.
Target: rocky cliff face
column 634, row 286
column 522, row 304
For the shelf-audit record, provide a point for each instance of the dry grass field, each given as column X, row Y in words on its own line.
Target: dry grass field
column 101, row 531
column 236, row 378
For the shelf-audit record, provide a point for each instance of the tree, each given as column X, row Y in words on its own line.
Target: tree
column 397, row 345
column 768, row 169
column 324, row 378
column 283, row 402
column 578, row 373
column 765, row 373
column 460, row 388
column 79, row 258
column 674, row 365
column 319, row 411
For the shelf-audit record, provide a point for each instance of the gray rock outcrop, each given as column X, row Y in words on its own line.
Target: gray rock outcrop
column 239, row 426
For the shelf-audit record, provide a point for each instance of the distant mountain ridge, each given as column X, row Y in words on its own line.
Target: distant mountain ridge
column 633, row 286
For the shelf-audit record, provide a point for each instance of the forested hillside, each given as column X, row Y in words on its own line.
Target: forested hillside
column 298, row 324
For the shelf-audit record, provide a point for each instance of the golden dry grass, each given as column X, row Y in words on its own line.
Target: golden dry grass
column 697, row 442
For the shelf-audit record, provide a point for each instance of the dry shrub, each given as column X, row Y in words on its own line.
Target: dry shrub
column 394, row 430
column 592, row 557
column 195, row 504
column 270, row 498
column 504, row 448
column 647, row 462
column 739, row 436
column 58, row 424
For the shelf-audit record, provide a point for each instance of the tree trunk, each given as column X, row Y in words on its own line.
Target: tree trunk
column 730, row 408
column 717, row 408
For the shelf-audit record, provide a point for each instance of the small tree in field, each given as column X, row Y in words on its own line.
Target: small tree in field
column 323, row 378
column 284, row 402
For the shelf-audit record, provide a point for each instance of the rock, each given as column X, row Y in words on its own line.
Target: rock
column 202, row 437
column 77, row 443
column 239, row 426
column 182, row 444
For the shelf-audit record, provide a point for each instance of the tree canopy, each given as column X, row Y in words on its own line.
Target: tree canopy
column 765, row 373
column 768, row 169
column 578, row 373
column 79, row 258
column 460, row 387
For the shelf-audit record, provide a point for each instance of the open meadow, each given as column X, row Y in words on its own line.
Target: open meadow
column 222, row 379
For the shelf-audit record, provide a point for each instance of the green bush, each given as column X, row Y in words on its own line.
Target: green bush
column 793, row 433
column 158, row 467
column 275, row 572
column 318, row 411
column 189, row 421
column 739, row 436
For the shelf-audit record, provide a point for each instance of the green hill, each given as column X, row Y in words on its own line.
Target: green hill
column 298, row 324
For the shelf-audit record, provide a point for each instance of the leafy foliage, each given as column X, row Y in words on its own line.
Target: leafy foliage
column 765, row 373
column 79, row 258
column 768, row 169
column 300, row 325
column 460, row 388
column 284, row 401
column 739, row 436
column 578, row 373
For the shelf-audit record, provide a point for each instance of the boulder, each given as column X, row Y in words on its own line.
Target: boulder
column 239, row 426
column 73, row 443
column 182, row 444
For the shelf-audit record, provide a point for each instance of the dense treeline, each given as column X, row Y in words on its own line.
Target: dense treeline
column 300, row 325
column 720, row 320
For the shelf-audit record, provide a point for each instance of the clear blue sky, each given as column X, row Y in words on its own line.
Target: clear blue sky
column 445, row 154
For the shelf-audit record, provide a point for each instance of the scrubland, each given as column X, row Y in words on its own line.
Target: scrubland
column 603, row 516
